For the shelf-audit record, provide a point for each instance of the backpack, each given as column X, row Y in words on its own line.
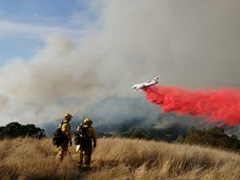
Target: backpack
column 82, row 139
column 58, row 136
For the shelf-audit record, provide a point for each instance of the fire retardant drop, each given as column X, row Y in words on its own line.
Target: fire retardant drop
column 220, row 106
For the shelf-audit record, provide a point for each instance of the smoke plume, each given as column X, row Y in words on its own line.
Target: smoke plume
column 222, row 105
column 191, row 44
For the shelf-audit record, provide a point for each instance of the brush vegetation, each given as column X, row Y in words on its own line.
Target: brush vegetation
column 15, row 129
column 115, row 158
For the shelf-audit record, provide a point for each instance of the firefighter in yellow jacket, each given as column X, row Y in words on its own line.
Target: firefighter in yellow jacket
column 88, row 142
column 67, row 141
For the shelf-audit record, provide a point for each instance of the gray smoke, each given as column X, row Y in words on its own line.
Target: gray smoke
column 193, row 44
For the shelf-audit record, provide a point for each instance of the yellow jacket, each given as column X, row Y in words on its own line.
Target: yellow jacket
column 66, row 129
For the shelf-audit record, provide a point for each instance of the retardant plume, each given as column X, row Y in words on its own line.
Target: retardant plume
column 220, row 106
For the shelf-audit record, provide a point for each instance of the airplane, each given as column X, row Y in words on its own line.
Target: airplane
column 145, row 84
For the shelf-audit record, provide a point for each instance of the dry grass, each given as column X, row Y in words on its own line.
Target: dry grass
column 33, row 159
column 138, row 159
column 118, row 159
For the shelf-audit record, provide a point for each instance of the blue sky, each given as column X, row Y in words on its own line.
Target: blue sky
column 24, row 24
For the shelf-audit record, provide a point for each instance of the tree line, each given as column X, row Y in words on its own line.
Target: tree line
column 212, row 137
column 15, row 130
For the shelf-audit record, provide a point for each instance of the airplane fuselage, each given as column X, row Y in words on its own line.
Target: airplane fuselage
column 146, row 84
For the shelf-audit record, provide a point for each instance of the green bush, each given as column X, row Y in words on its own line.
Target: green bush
column 213, row 137
column 14, row 130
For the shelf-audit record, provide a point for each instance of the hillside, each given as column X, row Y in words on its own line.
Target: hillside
column 26, row 158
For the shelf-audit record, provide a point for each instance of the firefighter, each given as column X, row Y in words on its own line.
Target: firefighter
column 87, row 143
column 67, row 140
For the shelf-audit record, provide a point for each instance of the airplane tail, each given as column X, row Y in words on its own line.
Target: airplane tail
column 156, row 78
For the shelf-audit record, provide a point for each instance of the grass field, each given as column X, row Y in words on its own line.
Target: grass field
column 124, row 159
